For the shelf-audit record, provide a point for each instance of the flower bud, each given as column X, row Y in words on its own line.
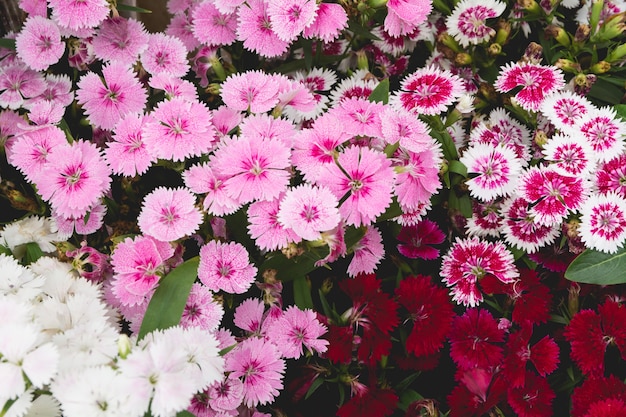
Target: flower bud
column 463, row 59
column 541, row 138
column 124, row 346
column 448, row 40
column 600, row 67
column 596, row 10
column 573, row 303
column 531, row 6
column 568, row 65
column 533, row 53
column 611, row 28
column 617, row 53
column 582, row 33
column 361, row 60
column 503, row 31
column 558, row 34
column 377, row 4
column 495, row 49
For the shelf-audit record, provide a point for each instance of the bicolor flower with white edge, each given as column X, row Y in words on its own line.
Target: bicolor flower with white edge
column 603, row 222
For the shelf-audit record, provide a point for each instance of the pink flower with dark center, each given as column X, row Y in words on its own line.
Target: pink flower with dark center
column 485, row 220
column 610, row 176
column 106, row 100
column 201, row 310
column 165, row 53
column 497, row 169
column 58, row 91
column 359, row 117
column 368, row 252
column 18, row 82
column 603, row 222
column 127, row 153
column 331, row 19
column 226, row 267
column 79, row 14
column 398, row 125
column 87, row 224
column 252, row 91
column 565, row 109
column 180, row 26
column 468, row 21
column 248, row 316
column 417, row 238
column 475, row 340
column 418, row 177
column 39, row 43
column 74, row 178
column 520, row 228
column 254, row 29
column 502, row 129
column 290, row 17
column 569, row 156
column 604, row 131
column 264, row 227
column 429, row 90
column 31, row 150
column 169, row 214
column 211, row 27
column 537, row 82
column 225, row 119
column 366, row 177
column 226, row 396
column 552, row 195
column 295, row 330
column 470, row 260
column 201, row 179
column 120, row 39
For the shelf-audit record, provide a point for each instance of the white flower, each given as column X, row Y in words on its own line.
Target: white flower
column 468, row 21
column 30, row 229
column 18, row 280
column 603, row 222
column 44, row 406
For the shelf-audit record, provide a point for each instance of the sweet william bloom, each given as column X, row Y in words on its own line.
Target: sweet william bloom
column 201, row 179
column 74, row 179
column 39, row 43
column 371, row 402
column 201, row 310
column 428, row 90
column 255, row 30
column 403, row 16
column 180, row 26
column 252, row 91
column 297, row 329
column 168, row 214
column 127, row 153
column 475, row 340
column 264, row 227
column 565, row 109
column 120, row 39
column 612, row 407
column 520, row 228
column 212, row 27
column 290, row 17
column 258, row 364
column 470, row 260
column 30, row 151
column 79, row 14
column 418, row 178
column 604, row 132
column 417, row 238
column 106, row 100
column 537, row 82
column 249, row 315
column 368, row 252
column 165, row 53
column 330, row 20
column 603, row 222
column 569, row 155
column 610, row 176
column 17, row 83
column 468, row 21
column 87, row 224
column 533, row 399
column 225, row 396
column 502, row 129
column 226, row 267
column 595, row 390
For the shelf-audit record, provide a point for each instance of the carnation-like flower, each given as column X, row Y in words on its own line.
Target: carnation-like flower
column 106, row 100
column 569, row 156
column 468, row 261
column 604, row 132
column 31, row 150
column 297, row 329
column 565, row 109
column 79, row 14
column 429, row 90
column 537, row 82
column 330, row 20
column 475, row 340
column 368, row 252
column 603, row 222
column 290, row 17
column 212, row 27
column 468, row 21
column 169, row 214
column 533, row 399
column 165, row 53
column 120, row 39
column 418, row 178
column 417, row 238
column 255, row 30
column 126, row 153
column 226, row 267
column 502, row 129
column 252, row 91
column 611, row 176
column 520, row 228
column 201, row 179
column 17, row 83
column 201, row 310
column 264, row 227
column 403, row 16
column 39, row 43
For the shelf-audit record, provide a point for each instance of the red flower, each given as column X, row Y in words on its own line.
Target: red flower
column 607, row 408
column 430, row 311
column 594, row 390
column 374, row 402
column 480, row 390
column 340, row 343
column 533, row 399
column 474, row 340
column 590, row 333
column 416, row 237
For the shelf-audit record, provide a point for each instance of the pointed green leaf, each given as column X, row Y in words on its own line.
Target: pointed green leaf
column 168, row 302
column 594, row 267
column 621, row 110
column 302, row 293
column 381, row 92
column 317, row 382
column 361, row 31
column 33, row 252
column 458, row 168
column 6, row 251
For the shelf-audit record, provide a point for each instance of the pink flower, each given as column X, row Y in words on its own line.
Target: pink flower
column 485, row 220
column 331, row 19
column 416, row 239
column 120, row 39
column 398, row 125
column 290, row 17
column 169, row 214
column 255, row 30
column 569, row 156
column 520, row 228
column 58, row 92
column 611, row 176
column 18, row 82
column 211, row 27
column 107, row 100
column 74, row 178
column 553, row 195
column 367, row 177
column 537, row 82
column 418, row 177
column 180, row 26
column 179, row 129
column 225, row 119
column 174, row 87
column 404, row 16
column 264, row 227
column 201, row 310
column 359, row 117
column 86, row 224
column 165, row 53
column 603, row 130
column 502, row 129
column 603, row 222
column 249, row 315
column 297, row 329
column 428, row 91
column 79, row 14
column 39, row 43
column 368, row 252
column 263, row 126
column 226, row 267
column 252, row 91
column 258, row 364
column 126, row 154
column 308, row 210
column 201, row 179
column 252, row 169
column 470, row 260
column 468, row 21
column 138, row 265
column 31, row 150
column 565, row 109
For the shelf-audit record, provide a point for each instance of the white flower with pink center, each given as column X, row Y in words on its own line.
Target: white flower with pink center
column 497, row 169
column 485, row 221
column 468, row 21
column 611, row 176
column 603, row 222
column 603, row 131
column 520, row 228
column 565, row 109
column 569, row 156
column 553, row 195
column 502, row 129
column 537, row 82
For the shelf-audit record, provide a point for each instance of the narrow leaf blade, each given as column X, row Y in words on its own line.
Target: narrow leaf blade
column 302, row 293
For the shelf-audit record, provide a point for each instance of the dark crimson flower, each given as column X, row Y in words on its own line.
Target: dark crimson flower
column 533, row 399
column 430, row 311
column 479, row 391
column 475, row 340
column 607, row 408
column 416, row 239
column 594, row 390
column 373, row 402
column 340, row 343
column 590, row 334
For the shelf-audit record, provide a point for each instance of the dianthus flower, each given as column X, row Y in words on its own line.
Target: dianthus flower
column 368, row 252
column 603, row 222
column 226, row 267
column 264, row 227
column 201, row 179
column 296, row 329
column 330, row 20
column 533, row 399
column 520, row 228
column 120, row 39
column 537, row 82
column 565, row 109
column 594, row 390
column 201, row 310
column 569, row 156
column 254, row 29
column 502, row 129
column 610, row 176
column 165, row 53
column 252, row 91
column 17, row 83
column 468, row 261
column 603, row 130
column 180, row 26
column 290, row 17
column 39, row 43
column 371, row 402
column 403, row 16
column 417, row 238
column 248, row 316
column 126, row 153
column 106, row 100
column 169, row 214
column 468, row 21
column 86, row 224
column 475, row 340
column 31, row 150
column 418, row 177
column 485, row 220
column 212, row 27
column 79, row 14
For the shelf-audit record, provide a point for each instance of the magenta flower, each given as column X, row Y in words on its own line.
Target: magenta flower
column 468, row 21
column 31, row 150
column 252, row 169
column 603, row 130
column 603, row 222
column 226, row 267
column 120, row 39
column 179, row 129
column 138, row 265
column 126, row 154
column 565, row 108
column 252, row 91
column 470, row 260
column 211, row 27
column 611, row 176
column 417, row 238
column 254, row 29
column 553, row 195
column 74, row 178
column 18, row 82
column 297, row 329
column 201, row 179
column 257, row 363
column 366, row 177
column 264, row 227
column 520, row 228
column 537, row 82
column 201, row 310
column 165, row 53
column 39, row 43
column 428, row 91
column 79, row 14
column 475, row 340
column 290, row 17
column 109, row 99
column 169, row 214
column 368, row 252
column 569, row 156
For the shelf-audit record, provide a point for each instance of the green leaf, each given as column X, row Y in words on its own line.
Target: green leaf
column 594, row 267
column 307, row 47
column 6, row 251
column 462, row 203
column 168, row 302
column 317, row 382
column 361, row 31
column 605, row 92
column 33, row 252
column 302, row 293
column 381, row 92
column 458, row 168
column 621, row 110
column 287, row 269
column 7, row 43
column 128, row 8
column 184, row 413
column 407, row 397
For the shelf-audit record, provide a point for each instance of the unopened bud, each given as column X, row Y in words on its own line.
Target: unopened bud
column 503, row 31
column 558, row 34
column 573, row 299
column 124, row 346
column 600, row 67
column 594, row 18
column 463, row 59
column 533, row 53
column 541, row 138
column 568, row 65
column 361, row 60
column 495, row 49
column 617, row 53
column 582, row 33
